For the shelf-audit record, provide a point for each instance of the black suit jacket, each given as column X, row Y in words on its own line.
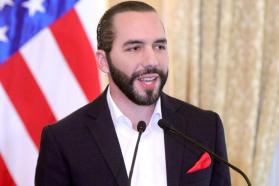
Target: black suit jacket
column 83, row 149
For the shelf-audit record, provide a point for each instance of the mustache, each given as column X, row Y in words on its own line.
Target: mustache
column 147, row 70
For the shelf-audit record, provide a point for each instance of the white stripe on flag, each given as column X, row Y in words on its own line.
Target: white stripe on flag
column 16, row 147
column 89, row 13
column 53, row 75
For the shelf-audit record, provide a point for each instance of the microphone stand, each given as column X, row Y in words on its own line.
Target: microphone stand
column 141, row 128
column 166, row 126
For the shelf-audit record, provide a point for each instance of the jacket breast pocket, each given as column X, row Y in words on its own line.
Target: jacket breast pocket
column 198, row 178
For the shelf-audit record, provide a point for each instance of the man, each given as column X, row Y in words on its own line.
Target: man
column 95, row 145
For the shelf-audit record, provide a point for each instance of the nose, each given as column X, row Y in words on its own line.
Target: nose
column 150, row 57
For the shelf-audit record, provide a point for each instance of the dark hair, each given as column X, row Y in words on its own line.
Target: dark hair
column 105, row 34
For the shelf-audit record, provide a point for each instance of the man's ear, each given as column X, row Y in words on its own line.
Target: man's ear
column 102, row 61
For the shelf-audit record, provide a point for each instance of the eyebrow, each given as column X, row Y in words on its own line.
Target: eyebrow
column 163, row 41
column 132, row 42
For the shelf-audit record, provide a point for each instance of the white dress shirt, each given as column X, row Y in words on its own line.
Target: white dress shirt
column 150, row 165
column 273, row 175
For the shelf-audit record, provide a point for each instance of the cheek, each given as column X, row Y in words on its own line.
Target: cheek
column 164, row 64
column 128, row 67
column 123, row 64
column 163, row 58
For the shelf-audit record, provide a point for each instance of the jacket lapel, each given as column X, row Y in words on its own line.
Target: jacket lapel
column 102, row 129
column 173, row 144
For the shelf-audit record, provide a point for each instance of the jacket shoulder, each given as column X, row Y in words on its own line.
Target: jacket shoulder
column 184, row 107
column 87, row 112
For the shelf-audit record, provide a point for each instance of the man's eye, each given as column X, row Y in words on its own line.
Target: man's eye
column 132, row 49
column 161, row 47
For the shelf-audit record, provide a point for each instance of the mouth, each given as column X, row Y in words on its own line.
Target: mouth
column 148, row 81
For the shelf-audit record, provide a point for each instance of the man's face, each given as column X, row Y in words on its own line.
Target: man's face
column 138, row 61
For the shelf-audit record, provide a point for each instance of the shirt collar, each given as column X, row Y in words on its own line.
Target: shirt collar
column 118, row 117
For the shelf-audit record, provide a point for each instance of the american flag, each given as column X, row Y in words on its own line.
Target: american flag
column 47, row 70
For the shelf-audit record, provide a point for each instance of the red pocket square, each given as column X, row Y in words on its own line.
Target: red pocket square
column 202, row 163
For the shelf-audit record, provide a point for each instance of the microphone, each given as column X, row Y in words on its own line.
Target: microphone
column 164, row 124
column 141, row 128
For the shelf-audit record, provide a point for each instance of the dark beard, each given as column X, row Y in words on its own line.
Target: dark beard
column 125, row 84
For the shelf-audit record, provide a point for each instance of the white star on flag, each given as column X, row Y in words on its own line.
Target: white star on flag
column 3, row 3
column 34, row 6
column 3, row 36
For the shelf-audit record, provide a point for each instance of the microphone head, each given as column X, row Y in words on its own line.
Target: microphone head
column 164, row 124
column 141, row 126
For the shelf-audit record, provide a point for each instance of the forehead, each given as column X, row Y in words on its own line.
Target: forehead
column 138, row 25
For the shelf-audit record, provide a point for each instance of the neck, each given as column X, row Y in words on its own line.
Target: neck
column 131, row 110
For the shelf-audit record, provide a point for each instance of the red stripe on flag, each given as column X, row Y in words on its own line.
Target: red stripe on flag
column 26, row 96
column 78, row 52
column 5, row 177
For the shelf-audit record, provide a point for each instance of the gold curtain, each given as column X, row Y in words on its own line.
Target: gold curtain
column 224, row 56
